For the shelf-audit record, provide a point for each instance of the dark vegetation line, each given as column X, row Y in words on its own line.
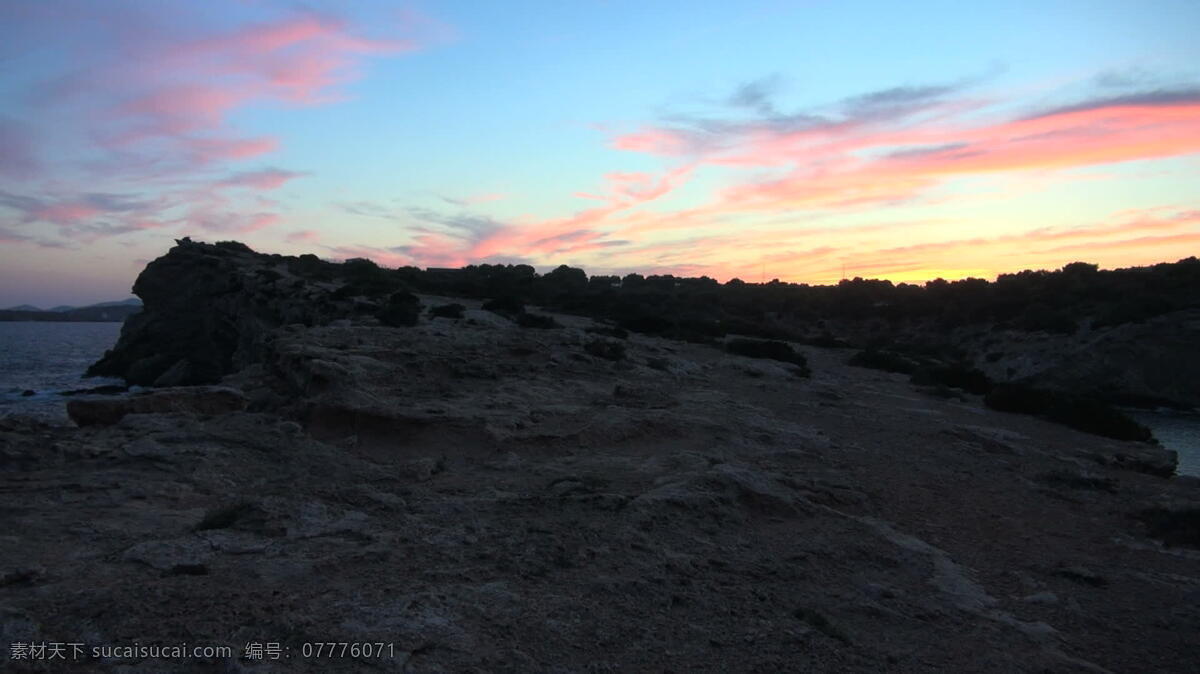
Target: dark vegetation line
column 698, row 309
column 702, row 310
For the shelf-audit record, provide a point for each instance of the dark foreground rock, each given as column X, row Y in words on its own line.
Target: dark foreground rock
column 108, row 410
column 483, row 497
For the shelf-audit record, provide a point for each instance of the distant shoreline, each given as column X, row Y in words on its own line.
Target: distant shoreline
column 6, row 319
column 82, row 315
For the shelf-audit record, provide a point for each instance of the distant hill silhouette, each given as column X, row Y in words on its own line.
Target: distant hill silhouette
column 115, row 311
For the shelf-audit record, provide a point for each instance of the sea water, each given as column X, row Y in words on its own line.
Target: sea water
column 49, row 358
column 1179, row 431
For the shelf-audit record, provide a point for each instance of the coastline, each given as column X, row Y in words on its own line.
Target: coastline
column 1178, row 430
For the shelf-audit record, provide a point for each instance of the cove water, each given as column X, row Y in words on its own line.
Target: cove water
column 49, row 358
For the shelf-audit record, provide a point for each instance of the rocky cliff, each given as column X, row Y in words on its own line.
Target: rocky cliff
column 483, row 495
column 209, row 309
column 1156, row 361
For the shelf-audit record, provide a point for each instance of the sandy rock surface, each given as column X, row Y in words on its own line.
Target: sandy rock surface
column 492, row 498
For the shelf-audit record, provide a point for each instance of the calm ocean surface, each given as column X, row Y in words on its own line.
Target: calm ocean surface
column 49, row 358
column 1179, row 431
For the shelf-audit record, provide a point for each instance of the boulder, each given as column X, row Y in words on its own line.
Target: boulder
column 108, row 410
column 1154, row 361
column 211, row 309
column 180, row 556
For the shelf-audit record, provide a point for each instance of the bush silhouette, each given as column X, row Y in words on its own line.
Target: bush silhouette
column 527, row 320
column 1174, row 527
column 312, row 267
column 659, row 363
column 826, row 340
column 364, row 277
column 565, row 280
column 1039, row 317
column 954, row 376
column 508, row 306
column 1079, row 412
column 603, row 348
column 883, row 360
column 447, row 311
column 765, row 348
column 402, row 309
column 650, row 324
column 608, row 331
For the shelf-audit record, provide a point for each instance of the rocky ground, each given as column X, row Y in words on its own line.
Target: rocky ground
column 1149, row 363
column 488, row 498
column 1152, row 360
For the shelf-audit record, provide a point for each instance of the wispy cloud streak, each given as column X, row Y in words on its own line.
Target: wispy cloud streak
column 145, row 101
column 877, row 150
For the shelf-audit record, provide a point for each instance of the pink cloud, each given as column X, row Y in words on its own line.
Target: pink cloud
column 197, row 152
column 303, row 235
column 652, row 141
column 579, row 232
column 858, row 163
column 1139, row 222
column 146, row 224
column 178, row 109
column 148, row 111
column 263, row 179
column 211, row 212
column 296, row 59
column 65, row 213
column 259, row 221
column 852, row 164
column 1187, row 238
column 1045, row 247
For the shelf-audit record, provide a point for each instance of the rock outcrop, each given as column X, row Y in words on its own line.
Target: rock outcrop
column 1156, row 360
column 108, row 410
column 209, row 310
column 1149, row 363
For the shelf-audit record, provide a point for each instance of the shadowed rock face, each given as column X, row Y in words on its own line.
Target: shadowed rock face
column 1148, row 363
column 108, row 410
column 210, row 308
column 487, row 497
column 1153, row 360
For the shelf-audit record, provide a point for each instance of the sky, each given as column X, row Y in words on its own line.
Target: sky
column 807, row 141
